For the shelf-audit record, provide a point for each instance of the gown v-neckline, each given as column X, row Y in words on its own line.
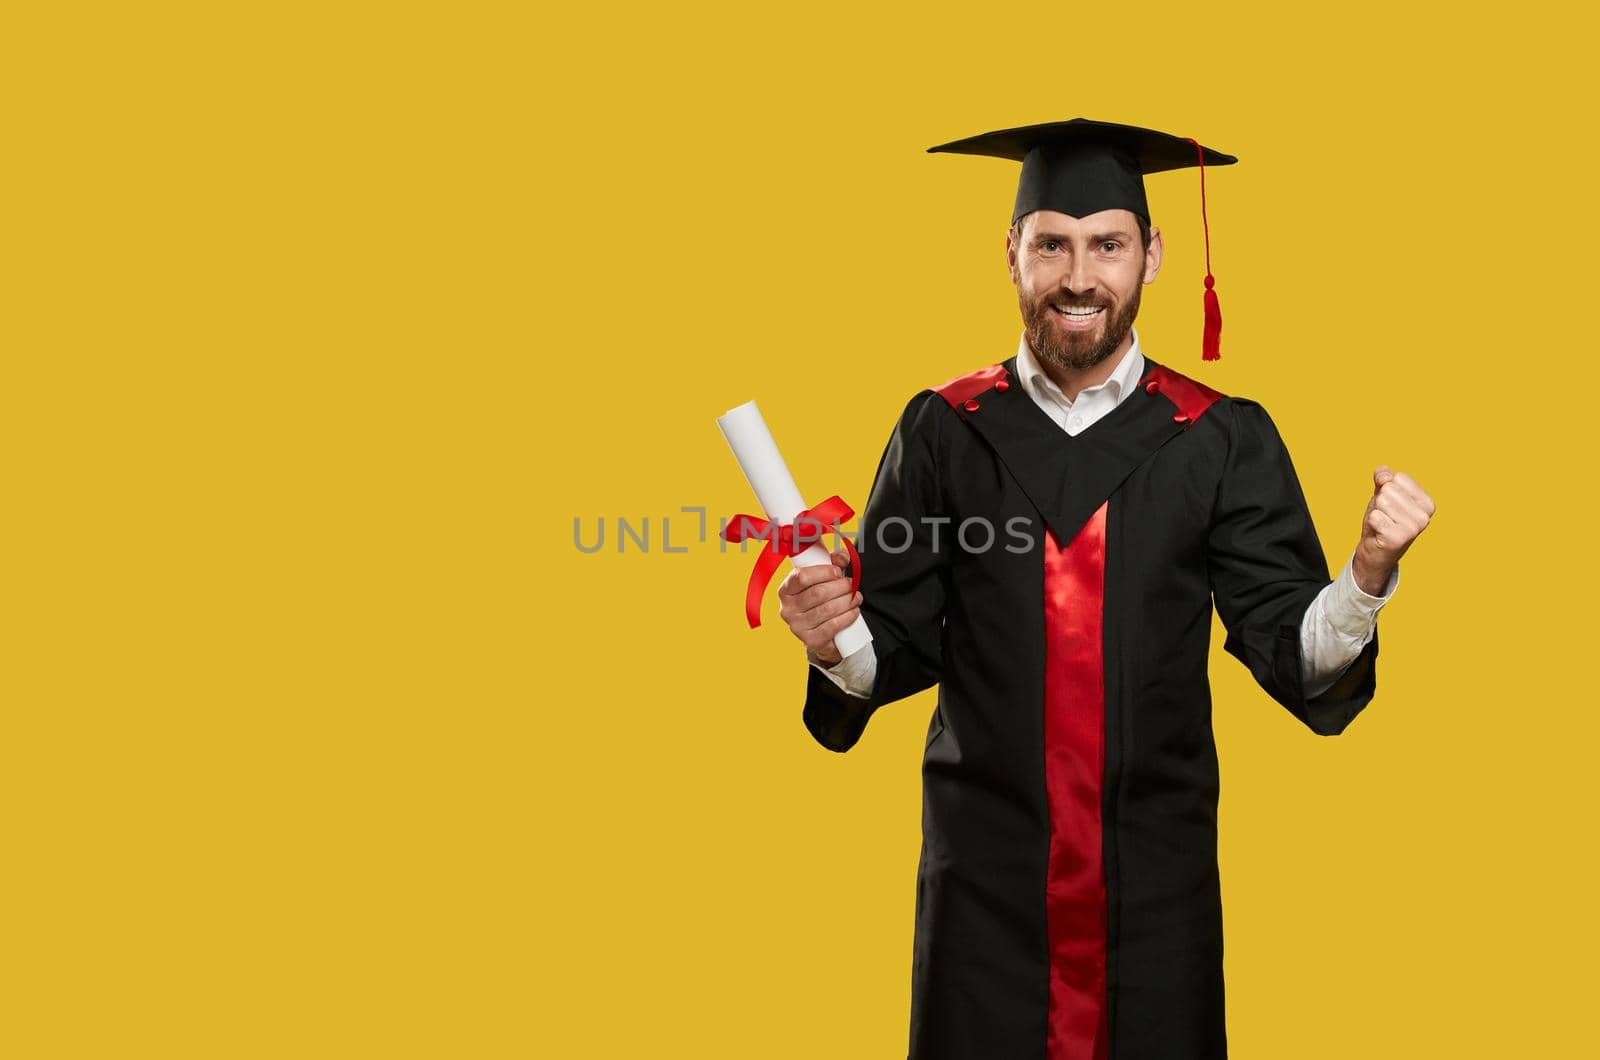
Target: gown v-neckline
column 1010, row 365
column 1068, row 476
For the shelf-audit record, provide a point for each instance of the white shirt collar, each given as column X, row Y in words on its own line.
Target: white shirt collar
column 1121, row 382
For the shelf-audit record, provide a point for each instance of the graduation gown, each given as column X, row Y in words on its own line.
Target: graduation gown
column 1068, row 902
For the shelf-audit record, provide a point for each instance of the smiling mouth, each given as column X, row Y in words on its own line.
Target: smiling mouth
column 1077, row 316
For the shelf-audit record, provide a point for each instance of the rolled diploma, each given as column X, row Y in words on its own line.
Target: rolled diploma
column 767, row 474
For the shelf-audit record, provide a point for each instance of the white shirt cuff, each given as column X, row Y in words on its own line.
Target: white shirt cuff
column 1352, row 611
column 1337, row 626
column 855, row 673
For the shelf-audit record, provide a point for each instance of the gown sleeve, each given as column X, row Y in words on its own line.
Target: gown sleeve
column 903, row 579
column 1266, row 565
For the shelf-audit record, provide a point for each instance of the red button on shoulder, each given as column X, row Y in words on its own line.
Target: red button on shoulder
column 1152, row 386
column 971, row 406
column 1180, row 418
column 1002, row 386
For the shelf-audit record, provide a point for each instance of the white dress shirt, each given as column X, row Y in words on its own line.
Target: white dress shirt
column 1337, row 625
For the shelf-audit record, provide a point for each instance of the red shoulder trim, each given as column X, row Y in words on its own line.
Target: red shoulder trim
column 958, row 390
column 1190, row 396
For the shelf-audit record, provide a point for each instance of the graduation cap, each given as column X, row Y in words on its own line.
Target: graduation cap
column 1080, row 167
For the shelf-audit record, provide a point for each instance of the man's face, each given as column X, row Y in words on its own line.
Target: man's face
column 1078, row 283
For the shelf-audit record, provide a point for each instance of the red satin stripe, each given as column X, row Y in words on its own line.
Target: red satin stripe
column 1074, row 762
column 790, row 539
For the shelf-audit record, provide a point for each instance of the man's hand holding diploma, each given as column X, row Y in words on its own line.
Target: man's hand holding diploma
column 790, row 529
column 816, row 603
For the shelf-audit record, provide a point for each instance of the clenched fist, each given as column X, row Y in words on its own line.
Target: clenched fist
column 817, row 603
column 1398, row 511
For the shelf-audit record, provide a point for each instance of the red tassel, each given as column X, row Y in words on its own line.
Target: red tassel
column 1211, row 341
column 1211, row 338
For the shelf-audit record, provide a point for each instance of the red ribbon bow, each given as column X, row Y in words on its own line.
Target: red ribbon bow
column 791, row 540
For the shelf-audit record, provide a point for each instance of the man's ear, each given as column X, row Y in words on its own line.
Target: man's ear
column 1152, row 256
column 1011, row 258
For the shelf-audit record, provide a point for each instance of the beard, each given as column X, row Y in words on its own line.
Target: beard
column 1070, row 350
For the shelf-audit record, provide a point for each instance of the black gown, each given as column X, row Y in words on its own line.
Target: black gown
column 1068, row 902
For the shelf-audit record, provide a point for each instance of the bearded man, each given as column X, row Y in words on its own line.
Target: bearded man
column 1045, row 540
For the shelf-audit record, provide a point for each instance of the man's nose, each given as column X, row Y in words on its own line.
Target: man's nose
column 1078, row 280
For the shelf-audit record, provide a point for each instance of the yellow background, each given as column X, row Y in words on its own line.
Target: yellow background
column 322, row 324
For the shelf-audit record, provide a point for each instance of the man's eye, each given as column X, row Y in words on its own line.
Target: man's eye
column 1049, row 246
column 1111, row 244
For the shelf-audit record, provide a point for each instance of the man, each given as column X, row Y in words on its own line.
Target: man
column 1044, row 540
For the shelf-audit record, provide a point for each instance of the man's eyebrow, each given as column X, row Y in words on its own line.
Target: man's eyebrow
column 1061, row 237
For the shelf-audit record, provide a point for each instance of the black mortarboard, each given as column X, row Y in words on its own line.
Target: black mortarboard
column 1080, row 167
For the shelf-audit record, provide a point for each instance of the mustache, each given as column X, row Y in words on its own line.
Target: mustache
column 1073, row 303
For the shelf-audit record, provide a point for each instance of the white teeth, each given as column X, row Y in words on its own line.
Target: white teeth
column 1080, row 312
